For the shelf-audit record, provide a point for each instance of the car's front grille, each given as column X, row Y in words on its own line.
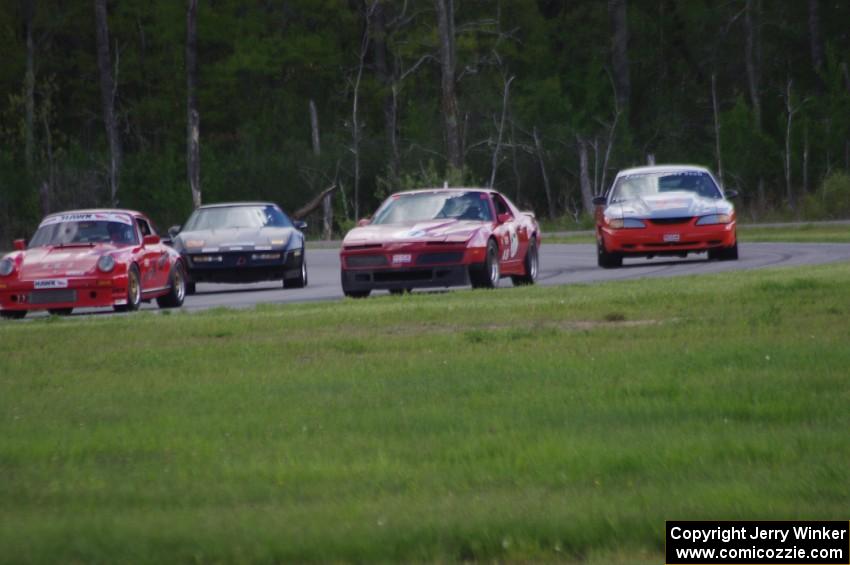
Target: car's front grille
column 52, row 296
column 437, row 258
column 366, row 260
column 670, row 221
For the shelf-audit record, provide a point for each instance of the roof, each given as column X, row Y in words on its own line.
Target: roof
column 662, row 169
column 441, row 189
column 229, row 204
column 96, row 211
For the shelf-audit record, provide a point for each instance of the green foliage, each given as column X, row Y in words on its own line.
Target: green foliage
column 832, row 200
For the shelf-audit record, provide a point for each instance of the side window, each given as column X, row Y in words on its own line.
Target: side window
column 144, row 227
column 501, row 206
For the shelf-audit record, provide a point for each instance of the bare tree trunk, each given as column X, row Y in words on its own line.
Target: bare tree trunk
column 517, row 178
column 584, row 177
column 495, row 160
column 108, row 88
column 538, row 146
column 47, row 186
column 355, row 124
column 790, row 111
column 716, row 127
column 815, row 41
column 390, row 97
column 29, row 87
column 753, row 55
column 327, row 201
column 446, row 32
column 806, row 160
column 317, row 201
column 620, row 51
column 193, row 116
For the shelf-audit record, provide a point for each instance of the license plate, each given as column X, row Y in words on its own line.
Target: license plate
column 401, row 259
column 51, row 283
column 671, row 237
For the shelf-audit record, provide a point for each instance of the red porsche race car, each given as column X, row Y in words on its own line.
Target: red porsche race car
column 90, row 258
column 440, row 238
column 662, row 211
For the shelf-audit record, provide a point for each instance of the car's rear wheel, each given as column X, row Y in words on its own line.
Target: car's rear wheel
column 134, row 292
column 177, row 293
column 531, row 264
column 13, row 314
column 301, row 280
column 724, row 253
column 607, row 260
column 60, row 311
column 488, row 275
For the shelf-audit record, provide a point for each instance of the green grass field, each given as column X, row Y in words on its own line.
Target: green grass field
column 529, row 424
column 753, row 233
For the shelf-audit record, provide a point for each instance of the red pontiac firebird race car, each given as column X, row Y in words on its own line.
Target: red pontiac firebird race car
column 440, row 238
column 665, row 210
column 90, row 258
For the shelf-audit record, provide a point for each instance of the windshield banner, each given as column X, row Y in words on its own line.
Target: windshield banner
column 88, row 217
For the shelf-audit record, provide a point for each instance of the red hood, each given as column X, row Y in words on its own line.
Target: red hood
column 431, row 230
column 42, row 262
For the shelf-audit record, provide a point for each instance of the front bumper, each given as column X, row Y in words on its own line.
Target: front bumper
column 244, row 266
column 83, row 292
column 668, row 239
column 406, row 266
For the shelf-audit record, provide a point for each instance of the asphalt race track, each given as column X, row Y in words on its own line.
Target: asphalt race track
column 559, row 264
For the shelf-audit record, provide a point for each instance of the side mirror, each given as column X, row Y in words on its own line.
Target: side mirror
column 300, row 225
column 151, row 240
column 599, row 201
column 730, row 194
column 502, row 218
column 174, row 230
column 20, row 244
column 364, row 222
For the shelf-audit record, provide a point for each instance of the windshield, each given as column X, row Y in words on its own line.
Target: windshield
column 73, row 229
column 636, row 186
column 423, row 206
column 237, row 217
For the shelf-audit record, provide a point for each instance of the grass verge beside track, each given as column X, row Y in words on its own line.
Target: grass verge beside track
column 562, row 423
column 750, row 233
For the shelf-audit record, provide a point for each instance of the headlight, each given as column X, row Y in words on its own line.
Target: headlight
column 106, row 263
column 714, row 219
column 6, row 267
column 194, row 243
column 624, row 223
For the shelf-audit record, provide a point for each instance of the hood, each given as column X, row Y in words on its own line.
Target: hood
column 679, row 204
column 45, row 262
column 431, row 230
column 238, row 237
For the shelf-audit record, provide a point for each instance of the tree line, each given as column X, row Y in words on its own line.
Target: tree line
column 326, row 106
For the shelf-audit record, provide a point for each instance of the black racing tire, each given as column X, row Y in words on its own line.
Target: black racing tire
column 190, row 288
column 13, row 314
column 487, row 276
column 357, row 293
column 301, row 280
column 607, row 260
column 531, row 264
column 724, row 253
column 177, row 292
column 134, row 291
column 60, row 311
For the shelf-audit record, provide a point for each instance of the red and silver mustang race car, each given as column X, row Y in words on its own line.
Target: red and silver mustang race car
column 665, row 210
column 440, row 238
column 90, row 258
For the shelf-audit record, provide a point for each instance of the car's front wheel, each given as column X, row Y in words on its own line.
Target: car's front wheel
column 13, row 314
column 605, row 259
column 177, row 293
column 301, row 280
column 488, row 275
column 531, row 264
column 134, row 292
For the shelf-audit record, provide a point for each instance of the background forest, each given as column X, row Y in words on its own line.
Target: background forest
column 542, row 99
